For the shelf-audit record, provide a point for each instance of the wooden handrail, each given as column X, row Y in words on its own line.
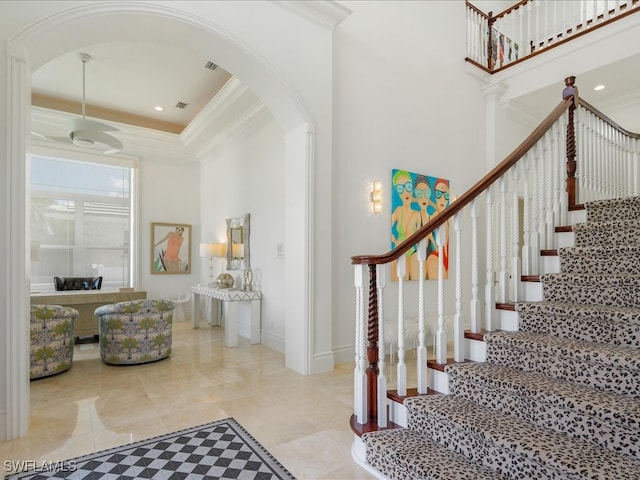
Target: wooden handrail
column 471, row 194
column 602, row 116
column 522, row 3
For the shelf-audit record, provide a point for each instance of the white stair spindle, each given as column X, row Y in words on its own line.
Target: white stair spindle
column 503, row 277
column 516, row 266
column 359, row 375
column 489, row 293
column 526, row 218
column 401, row 268
column 441, row 336
column 535, row 217
column 549, row 220
column 421, row 353
column 476, row 306
column 458, row 325
column 381, row 280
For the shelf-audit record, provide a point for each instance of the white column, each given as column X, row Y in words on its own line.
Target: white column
column 14, row 279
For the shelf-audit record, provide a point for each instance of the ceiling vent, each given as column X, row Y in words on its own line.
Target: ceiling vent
column 182, row 105
column 210, row 66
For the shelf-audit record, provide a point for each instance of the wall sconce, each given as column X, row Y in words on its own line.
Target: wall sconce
column 375, row 189
column 237, row 250
column 212, row 250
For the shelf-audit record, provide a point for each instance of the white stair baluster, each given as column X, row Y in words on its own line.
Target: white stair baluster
column 489, row 292
column 381, row 279
column 458, row 325
column 503, row 277
column 526, row 218
column 476, row 306
column 359, row 375
column 516, row 266
column 421, row 353
column 441, row 336
column 401, row 368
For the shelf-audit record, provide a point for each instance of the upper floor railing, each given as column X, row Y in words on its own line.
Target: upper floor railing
column 508, row 217
column 529, row 27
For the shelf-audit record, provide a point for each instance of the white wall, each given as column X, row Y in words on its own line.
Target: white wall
column 403, row 100
column 169, row 193
column 246, row 174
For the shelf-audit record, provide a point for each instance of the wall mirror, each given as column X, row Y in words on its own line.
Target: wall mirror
column 238, row 243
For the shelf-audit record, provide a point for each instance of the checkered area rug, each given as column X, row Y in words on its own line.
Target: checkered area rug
column 218, row 450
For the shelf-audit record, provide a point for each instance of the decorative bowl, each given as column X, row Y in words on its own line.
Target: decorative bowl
column 224, row 280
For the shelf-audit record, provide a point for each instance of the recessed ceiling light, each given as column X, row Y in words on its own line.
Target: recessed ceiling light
column 598, row 88
column 159, row 108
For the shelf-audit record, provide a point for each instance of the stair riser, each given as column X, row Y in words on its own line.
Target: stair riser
column 593, row 294
column 602, row 330
column 605, row 378
column 576, row 423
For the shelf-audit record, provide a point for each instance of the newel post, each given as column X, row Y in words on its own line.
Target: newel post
column 571, row 90
column 372, row 345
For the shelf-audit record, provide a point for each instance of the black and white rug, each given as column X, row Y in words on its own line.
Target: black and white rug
column 217, row 450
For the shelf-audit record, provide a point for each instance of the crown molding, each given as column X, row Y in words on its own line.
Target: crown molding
column 325, row 13
column 217, row 108
column 233, row 127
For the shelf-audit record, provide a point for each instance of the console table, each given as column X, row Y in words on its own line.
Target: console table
column 85, row 302
column 234, row 301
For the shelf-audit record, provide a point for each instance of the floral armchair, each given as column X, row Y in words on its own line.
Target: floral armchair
column 134, row 332
column 52, row 340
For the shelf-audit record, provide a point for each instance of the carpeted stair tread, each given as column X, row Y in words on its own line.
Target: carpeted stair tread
column 592, row 289
column 605, row 367
column 607, row 233
column 594, row 323
column 604, row 210
column 610, row 259
column 514, row 447
column 404, row 454
column 609, row 420
column 606, row 355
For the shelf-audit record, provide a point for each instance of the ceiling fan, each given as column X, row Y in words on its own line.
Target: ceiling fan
column 88, row 133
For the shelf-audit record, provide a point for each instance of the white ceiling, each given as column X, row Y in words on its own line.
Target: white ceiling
column 133, row 78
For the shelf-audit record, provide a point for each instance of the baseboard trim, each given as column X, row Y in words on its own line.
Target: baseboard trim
column 323, row 362
column 344, row 354
column 275, row 342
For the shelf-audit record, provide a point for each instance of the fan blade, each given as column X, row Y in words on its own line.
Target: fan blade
column 99, row 137
column 77, row 124
column 53, row 139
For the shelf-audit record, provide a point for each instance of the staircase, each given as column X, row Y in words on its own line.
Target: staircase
column 557, row 399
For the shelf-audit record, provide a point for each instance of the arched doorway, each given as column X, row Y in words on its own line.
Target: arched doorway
column 89, row 24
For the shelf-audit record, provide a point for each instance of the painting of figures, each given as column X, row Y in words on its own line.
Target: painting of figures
column 416, row 199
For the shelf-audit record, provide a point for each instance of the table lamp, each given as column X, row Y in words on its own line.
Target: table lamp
column 212, row 250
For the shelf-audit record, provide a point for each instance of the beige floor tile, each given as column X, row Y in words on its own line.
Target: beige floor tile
column 302, row 420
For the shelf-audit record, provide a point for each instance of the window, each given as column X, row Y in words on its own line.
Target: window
column 81, row 221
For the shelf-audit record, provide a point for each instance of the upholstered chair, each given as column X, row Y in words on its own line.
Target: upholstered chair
column 51, row 333
column 137, row 331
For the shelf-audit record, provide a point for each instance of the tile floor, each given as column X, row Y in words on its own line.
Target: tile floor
column 302, row 420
